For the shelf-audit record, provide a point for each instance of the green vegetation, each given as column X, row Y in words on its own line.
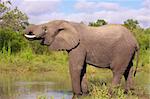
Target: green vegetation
column 12, row 40
column 143, row 38
column 21, row 60
column 12, row 18
column 99, row 22
column 131, row 24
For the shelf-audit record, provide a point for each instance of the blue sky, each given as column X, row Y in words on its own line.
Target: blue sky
column 133, row 4
column 113, row 11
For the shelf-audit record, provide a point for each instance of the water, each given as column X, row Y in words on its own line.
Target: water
column 46, row 85
column 32, row 90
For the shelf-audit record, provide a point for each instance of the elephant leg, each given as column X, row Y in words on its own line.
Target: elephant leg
column 128, row 77
column 75, row 79
column 116, row 79
column 84, row 85
column 76, row 65
column 118, row 67
column 118, row 71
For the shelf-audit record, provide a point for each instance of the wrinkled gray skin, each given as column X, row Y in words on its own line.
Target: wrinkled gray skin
column 108, row 46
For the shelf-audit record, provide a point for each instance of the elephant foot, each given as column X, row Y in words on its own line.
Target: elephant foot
column 76, row 96
column 127, row 90
column 85, row 93
column 112, row 89
column 129, row 87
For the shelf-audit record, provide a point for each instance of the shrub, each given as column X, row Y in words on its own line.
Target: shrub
column 37, row 48
column 11, row 40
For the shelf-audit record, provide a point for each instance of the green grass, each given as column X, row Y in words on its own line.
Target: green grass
column 100, row 81
column 28, row 61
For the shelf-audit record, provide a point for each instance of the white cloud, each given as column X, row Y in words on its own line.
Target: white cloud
column 146, row 3
column 90, row 6
column 37, row 7
column 41, row 0
column 3, row 0
column 113, row 17
column 40, row 12
column 46, row 17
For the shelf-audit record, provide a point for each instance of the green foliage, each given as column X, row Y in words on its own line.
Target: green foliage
column 38, row 48
column 11, row 40
column 119, row 93
column 143, row 38
column 12, row 18
column 27, row 54
column 51, row 97
column 3, row 7
column 12, row 23
column 42, row 97
column 15, row 20
column 99, row 92
column 131, row 24
column 98, row 23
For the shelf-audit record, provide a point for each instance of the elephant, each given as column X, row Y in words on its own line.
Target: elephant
column 110, row 46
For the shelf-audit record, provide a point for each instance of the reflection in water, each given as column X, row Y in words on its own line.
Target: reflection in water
column 32, row 90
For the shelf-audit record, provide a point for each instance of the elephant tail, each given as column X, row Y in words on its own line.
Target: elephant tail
column 137, row 59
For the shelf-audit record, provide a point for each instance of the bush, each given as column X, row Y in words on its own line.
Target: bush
column 37, row 48
column 15, row 42
column 142, row 36
column 11, row 40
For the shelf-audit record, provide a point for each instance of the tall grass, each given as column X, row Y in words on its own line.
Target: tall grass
column 27, row 63
column 28, row 57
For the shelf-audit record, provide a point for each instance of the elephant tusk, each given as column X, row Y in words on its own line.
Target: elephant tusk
column 30, row 36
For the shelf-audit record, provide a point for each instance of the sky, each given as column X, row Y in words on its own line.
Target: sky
column 113, row 11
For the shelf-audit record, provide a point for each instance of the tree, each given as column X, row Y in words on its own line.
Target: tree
column 99, row 22
column 131, row 24
column 3, row 7
column 12, row 18
column 12, row 22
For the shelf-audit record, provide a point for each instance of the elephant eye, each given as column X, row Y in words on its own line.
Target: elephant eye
column 45, row 29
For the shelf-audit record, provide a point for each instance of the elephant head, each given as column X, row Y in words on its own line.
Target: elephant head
column 58, row 35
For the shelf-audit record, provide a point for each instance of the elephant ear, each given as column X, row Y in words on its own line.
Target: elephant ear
column 65, row 38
